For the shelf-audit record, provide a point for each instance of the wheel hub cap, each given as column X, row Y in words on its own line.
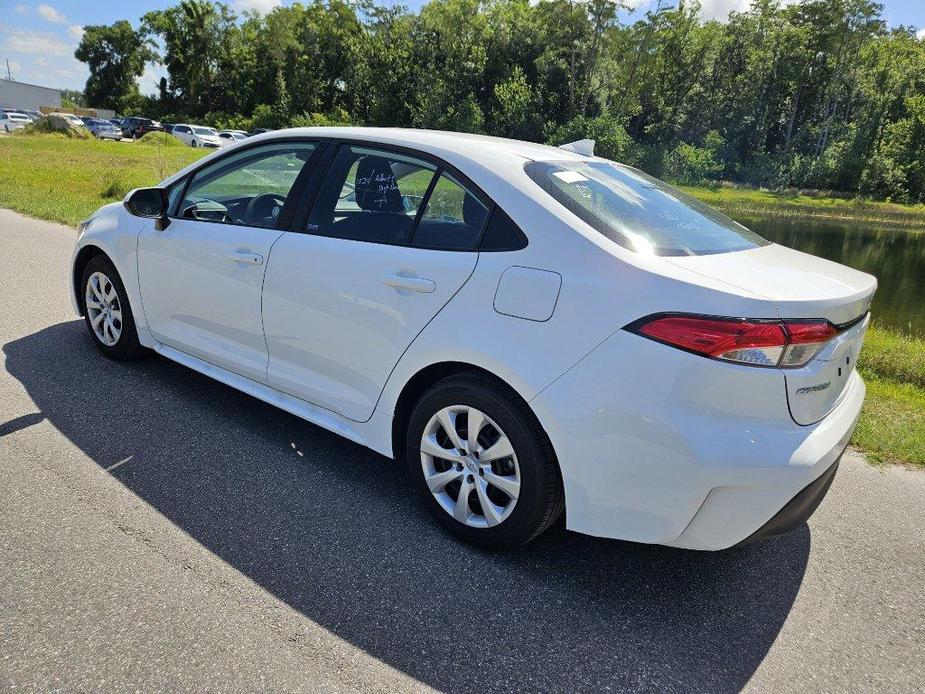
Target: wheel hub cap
column 470, row 466
column 103, row 309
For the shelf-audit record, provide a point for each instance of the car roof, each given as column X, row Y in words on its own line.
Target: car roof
column 467, row 145
column 488, row 161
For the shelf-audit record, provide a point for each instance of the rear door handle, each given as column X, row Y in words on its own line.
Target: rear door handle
column 245, row 257
column 414, row 284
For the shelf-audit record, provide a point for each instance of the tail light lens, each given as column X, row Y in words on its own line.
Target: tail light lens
column 788, row 343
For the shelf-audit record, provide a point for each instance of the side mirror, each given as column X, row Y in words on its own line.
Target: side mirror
column 151, row 203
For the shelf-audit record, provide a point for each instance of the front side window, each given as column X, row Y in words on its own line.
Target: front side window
column 371, row 195
column 249, row 188
column 638, row 211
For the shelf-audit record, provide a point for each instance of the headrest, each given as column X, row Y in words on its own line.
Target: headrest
column 473, row 211
column 375, row 187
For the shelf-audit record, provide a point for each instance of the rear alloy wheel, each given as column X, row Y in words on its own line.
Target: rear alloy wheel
column 107, row 312
column 482, row 464
column 475, row 479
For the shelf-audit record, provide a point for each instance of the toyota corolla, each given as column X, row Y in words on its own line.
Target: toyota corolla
column 532, row 330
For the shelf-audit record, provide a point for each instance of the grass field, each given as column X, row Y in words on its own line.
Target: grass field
column 892, row 426
column 65, row 180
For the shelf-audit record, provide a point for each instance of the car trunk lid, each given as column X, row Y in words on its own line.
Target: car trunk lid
column 802, row 286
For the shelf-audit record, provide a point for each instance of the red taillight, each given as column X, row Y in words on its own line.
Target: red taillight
column 743, row 341
column 806, row 339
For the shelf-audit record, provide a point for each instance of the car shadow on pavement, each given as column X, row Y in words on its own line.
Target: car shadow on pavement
column 333, row 530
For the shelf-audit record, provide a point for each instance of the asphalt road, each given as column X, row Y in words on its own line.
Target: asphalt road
column 161, row 531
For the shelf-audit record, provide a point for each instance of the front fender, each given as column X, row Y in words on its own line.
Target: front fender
column 114, row 232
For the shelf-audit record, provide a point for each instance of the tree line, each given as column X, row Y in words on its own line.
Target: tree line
column 819, row 94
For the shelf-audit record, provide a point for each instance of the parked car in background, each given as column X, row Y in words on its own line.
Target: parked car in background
column 196, row 135
column 116, row 121
column 260, row 131
column 229, row 137
column 135, row 127
column 529, row 328
column 104, row 129
column 16, row 110
column 168, row 127
column 72, row 120
column 13, row 120
column 86, row 119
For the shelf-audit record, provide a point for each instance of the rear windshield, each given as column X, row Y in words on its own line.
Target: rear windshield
column 204, row 131
column 639, row 212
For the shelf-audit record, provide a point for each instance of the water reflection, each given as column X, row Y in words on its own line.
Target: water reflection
column 895, row 257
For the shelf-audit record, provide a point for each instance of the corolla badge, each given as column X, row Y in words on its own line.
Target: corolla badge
column 806, row 390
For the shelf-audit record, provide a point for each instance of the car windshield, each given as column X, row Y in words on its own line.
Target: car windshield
column 204, row 131
column 17, row 116
column 640, row 212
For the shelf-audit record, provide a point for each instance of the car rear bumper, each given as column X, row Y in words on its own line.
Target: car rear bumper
column 670, row 448
column 796, row 511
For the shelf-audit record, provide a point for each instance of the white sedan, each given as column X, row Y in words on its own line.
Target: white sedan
column 196, row 135
column 530, row 329
column 13, row 120
column 229, row 137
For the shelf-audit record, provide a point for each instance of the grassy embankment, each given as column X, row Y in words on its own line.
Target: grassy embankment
column 749, row 202
column 65, row 180
column 892, row 426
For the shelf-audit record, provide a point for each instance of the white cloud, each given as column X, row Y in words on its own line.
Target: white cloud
column 920, row 34
column 44, row 58
column 67, row 69
column 709, row 9
column 51, row 14
column 720, row 9
column 150, row 80
column 23, row 9
column 261, row 6
column 75, row 31
column 22, row 41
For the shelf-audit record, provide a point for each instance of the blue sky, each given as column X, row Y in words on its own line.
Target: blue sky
column 38, row 38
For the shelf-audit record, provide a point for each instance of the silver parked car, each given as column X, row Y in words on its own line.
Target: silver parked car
column 103, row 129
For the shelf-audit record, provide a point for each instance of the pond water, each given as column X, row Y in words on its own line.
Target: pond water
column 895, row 257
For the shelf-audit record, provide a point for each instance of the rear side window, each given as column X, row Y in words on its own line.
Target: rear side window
column 453, row 219
column 371, row 195
column 638, row 211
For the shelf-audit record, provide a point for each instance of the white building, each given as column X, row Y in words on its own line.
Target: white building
column 21, row 95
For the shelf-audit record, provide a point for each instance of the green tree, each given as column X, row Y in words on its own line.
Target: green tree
column 115, row 55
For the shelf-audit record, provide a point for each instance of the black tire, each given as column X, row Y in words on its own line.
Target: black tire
column 127, row 345
column 540, row 501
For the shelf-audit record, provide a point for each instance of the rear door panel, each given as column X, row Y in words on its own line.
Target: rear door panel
column 338, row 314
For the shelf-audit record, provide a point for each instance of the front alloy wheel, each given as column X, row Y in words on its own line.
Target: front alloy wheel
column 103, row 309
column 107, row 312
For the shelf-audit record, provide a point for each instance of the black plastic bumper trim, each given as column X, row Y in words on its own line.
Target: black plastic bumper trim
column 799, row 508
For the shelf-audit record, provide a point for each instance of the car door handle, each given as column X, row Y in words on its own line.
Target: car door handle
column 245, row 257
column 414, row 284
